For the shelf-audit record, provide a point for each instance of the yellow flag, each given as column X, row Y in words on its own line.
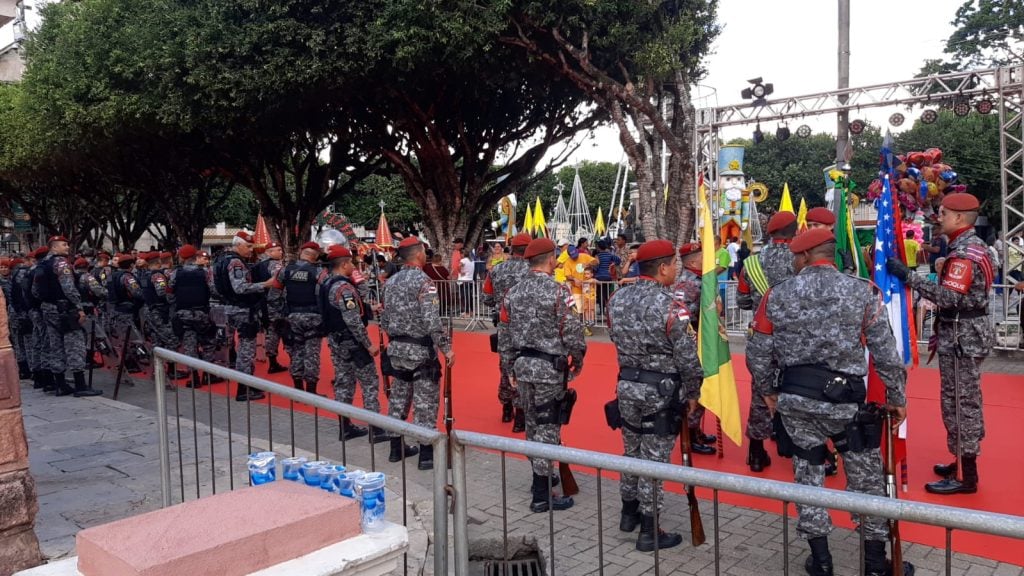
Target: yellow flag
column 599, row 227
column 528, row 221
column 801, row 216
column 539, row 225
column 787, row 203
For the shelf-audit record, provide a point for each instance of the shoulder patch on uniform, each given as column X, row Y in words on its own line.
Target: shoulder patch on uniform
column 761, row 323
column 957, row 275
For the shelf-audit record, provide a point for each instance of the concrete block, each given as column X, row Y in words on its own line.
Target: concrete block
column 18, row 505
column 13, row 449
column 230, row 534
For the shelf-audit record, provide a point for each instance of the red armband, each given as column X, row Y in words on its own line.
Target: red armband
column 957, row 274
column 488, row 286
column 761, row 323
column 741, row 285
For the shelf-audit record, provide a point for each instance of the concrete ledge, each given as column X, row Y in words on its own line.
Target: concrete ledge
column 230, row 534
column 363, row 555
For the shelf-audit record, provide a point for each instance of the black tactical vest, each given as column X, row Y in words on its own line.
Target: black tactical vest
column 299, row 280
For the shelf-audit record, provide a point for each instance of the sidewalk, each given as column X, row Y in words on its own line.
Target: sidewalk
column 96, row 460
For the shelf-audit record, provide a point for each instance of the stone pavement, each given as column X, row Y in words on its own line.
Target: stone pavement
column 96, row 460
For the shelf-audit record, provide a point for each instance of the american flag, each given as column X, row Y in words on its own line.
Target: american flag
column 889, row 245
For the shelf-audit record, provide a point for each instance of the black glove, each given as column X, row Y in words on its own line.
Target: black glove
column 898, row 269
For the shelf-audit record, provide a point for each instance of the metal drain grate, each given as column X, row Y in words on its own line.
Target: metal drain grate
column 527, row 567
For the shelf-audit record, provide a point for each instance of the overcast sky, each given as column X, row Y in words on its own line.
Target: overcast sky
column 793, row 44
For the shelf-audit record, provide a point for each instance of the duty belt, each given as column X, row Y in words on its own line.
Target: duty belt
column 422, row 341
column 557, row 360
column 820, row 383
column 646, row 376
column 962, row 315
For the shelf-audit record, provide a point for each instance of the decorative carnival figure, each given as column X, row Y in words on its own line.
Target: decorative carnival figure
column 733, row 205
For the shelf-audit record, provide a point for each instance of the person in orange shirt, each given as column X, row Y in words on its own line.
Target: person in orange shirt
column 574, row 265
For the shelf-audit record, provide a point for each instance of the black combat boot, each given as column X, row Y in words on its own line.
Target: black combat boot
column 175, row 374
column 23, row 372
column 38, row 380
column 82, row 388
column 274, row 367
column 945, row 470
column 506, row 412
column 645, row 540
column 426, row 461
column 396, row 450
column 519, row 421
column 969, row 484
column 378, row 435
column 703, row 438
column 196, row 381
column 819, row 563
column 311, row 386
column 630, row 517
column 49, row 381
column 831, row 463
column 757, row 456
column 698, row 447
column 541, row 492
column 875, row 562
column 297, row 382
column 347, row 430
column 63, row 389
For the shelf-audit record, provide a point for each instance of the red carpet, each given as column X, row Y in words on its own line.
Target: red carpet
column 1001, row 470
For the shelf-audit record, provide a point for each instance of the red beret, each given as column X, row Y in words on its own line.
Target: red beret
column 187, row 252
column 338, row 251
column 810, row 239
column 56, row 238
column 538, row 247
column 310, row 246
column 272, row 245
column 654, row 249
column 960, row 202
column 5, row 262
column 148, row 256
column 16, row 261
column 39, row 252
column 81, row 263
column 780, row 220
column 410, row 241
column 689, row 248
column 521, row 240
column 103, row 254
column 821, row 215
column 244, row 236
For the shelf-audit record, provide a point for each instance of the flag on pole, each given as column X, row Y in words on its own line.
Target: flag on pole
column 801, row 215
column 384, row 240
column 528, row 220
column 786, row 205
column 261, row 237
column 540, row 226
column 599, row 227
column 718, row 392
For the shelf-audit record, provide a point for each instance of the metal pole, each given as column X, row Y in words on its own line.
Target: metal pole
column 843, row 117
column 159, row 379
column 460, row 511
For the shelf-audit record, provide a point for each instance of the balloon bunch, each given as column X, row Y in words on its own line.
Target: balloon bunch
column 921, row 181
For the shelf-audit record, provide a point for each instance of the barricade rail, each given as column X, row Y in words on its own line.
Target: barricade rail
column 945, row 517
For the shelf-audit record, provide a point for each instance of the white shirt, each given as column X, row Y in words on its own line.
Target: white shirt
column 466, row 269
column 733, row 249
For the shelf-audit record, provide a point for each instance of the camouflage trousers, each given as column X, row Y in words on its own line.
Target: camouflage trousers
column 507, row 394
column 121, row 322
column 19, row 340
column 272, row 344
column 304, row 349
column 536, row 394
column 347, row 373
column 425, row 395
column 636, row 401
column 36, row 341
column 971, row 431
column 759, row 418
column 63, row 350
column 242, row 322
column 199, row 335
column 695, row 418
column 159, row 329
column 810, row 423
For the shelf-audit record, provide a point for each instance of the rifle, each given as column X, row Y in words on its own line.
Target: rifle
column 569, row 485
column 895, row 542
column 91, row 358
column 696, row 523
column 380, row 327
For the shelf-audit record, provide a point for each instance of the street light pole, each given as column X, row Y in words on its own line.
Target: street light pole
column 843, row 117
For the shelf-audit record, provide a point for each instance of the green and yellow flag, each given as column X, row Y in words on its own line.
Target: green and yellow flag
column 539, row 224
column 718, row 392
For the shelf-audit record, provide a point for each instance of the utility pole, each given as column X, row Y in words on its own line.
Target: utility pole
column 843, row 118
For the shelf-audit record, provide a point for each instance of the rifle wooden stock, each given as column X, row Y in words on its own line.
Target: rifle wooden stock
column 569, row 485
column 895, row 542
column 697, row 536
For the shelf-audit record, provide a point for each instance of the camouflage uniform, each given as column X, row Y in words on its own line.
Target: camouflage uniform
column 542, row 317
column 349, row 344
column 156, row 312
column 273, row 304
column 191, row 304
column 242, row 297
column 962, row 293
column 93, row 294
column 687, row 290
column 125, row 297
column 500, row 280
column 53, row 284
column 21, row 328
column 298, row 283
column 411, row 313
column 37, row 340
column 818, row 318
column 650, row 327
column 777, row 263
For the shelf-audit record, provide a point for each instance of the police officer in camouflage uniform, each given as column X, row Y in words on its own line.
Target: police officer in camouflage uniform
column 499, row 281
column 188, row 292
column 233, row 281
column 21, row 327
column 687, row 287
column 37, row 338
column 658, row 368
column 812, row 330
column 157, row 311
column 272, row 307
column 548, row 342
column 412, row 320
column 352, row 352
column 298, row 283
column 53, row 283
column 773, row 264
column 93, row 296
column 965, row 337
column 125, row 299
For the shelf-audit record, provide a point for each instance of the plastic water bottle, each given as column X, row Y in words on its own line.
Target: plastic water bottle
column 262, row 467
column 311, row 472
column 371, row 501
column 329, row 477
column 291, row 468
column 346, row 485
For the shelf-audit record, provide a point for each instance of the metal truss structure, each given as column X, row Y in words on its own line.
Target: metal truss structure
column 1002, row 88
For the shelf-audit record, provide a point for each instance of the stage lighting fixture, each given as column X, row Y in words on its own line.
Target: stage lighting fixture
column 962, row 108
column 782, row 133
column 758, row 135
column 857, row 127
column 929, row 116
column 984, row 106
column 897, row 119
column 758, row 91
column 803, row 131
